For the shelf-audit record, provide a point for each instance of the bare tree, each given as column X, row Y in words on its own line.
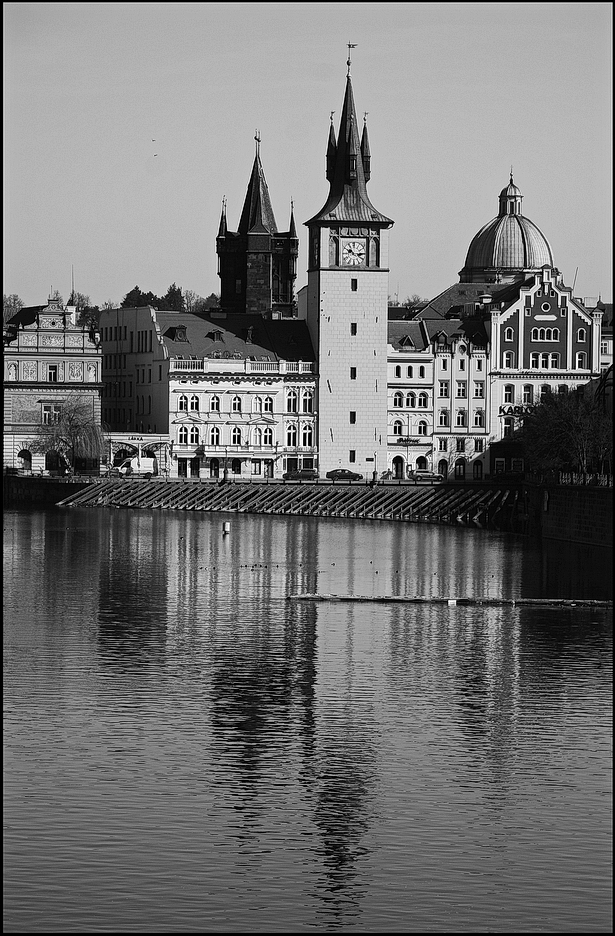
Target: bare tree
column 10, row 306
column 73, row 434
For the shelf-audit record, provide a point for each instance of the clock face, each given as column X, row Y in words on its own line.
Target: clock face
column 353, row 253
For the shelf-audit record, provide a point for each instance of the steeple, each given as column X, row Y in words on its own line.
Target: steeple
column 348, row 169
column 510, row 199
column 292, row 230
column 257, row 215
column 222, row 229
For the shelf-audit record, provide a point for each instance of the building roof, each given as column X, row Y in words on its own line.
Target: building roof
column 236, row 336
column 257, row 215
column 407, row 335
column 461, row 299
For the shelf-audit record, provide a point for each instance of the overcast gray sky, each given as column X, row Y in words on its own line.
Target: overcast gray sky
column 455, row 93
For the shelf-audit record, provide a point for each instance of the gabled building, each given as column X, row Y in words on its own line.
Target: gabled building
column 49, row 361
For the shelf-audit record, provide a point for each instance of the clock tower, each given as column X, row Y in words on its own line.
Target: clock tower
column 347, row 305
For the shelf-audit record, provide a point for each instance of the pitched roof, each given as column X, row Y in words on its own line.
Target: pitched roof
column 257, row 215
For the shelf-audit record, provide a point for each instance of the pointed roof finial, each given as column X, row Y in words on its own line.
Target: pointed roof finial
column 511, row 175
column 257, row 137
column 331, row 116
column 365, row 113
column 351, row 45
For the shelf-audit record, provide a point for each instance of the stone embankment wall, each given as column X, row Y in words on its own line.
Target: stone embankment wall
column 24, row 491
column 581, row 514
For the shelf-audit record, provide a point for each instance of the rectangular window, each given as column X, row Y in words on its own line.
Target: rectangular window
column 479, row 390
column 479, row 365
column 353, row 373
column 51, row 413
column 479, row 445
column 160, row 372
column 461, row 389
column 444, row 364
column 353, row 417
column 52, row 373
column 352, row 456
column 443, row 388
column 462, row 364
column 353, row 285
column 353, row 328
column 460, row 445
column 442, row 445
column 256, row 466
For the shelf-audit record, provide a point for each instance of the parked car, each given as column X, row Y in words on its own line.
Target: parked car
column 343, row 474
column 301, row 474
column 423, row 474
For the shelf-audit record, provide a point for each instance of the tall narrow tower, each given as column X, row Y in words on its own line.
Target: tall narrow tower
column 348, row 304
column 257, row 264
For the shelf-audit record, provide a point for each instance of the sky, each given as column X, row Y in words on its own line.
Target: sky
column 125, row 125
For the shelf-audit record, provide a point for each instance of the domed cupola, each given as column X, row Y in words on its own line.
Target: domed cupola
column 507, row 248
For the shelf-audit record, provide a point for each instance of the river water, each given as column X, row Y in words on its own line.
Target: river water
column 187, row 750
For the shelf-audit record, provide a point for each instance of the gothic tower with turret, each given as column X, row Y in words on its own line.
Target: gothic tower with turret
column 347, row 304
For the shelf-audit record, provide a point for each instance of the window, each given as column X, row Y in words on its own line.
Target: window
column 422, row 428
column 194, row 403
column 353, row 417
column 214, row 404
column 581, row 334
column 236, row 436
column 397, row 428
column 545, row 390
column 268, row 436
column 479, row 445
column 460, row 445
column 194, row 435
column 51, row 413
column 604, row 347
column 182, row 404
column 256, row 466
column 353, row 328
column 509, row 359
column 509, row 334
column 509, row 425
column 461, row 389
column 352, row 456
column 353, row 285
column 443, row 388
column 444, row 364
column 411, row 400
column 479, row 419
column 479, row 364
column 528, row 394
column 462, row 364
column 307, row 436
column 52, row 373
column 562, row 389
column 460, row 419
column 236, row 404
column 443, row 418
column 214, row 435
column 398, row 371
column 423, row 400
column 534, row 359
column 581, row 360
column 410, row 372
column 479, row 390
column 268, row 404
column 257, row 405
column 442, row 445
column 398, row 399
column 509, row 393
column 421, row 371
column 182, row 436
column 554, row 360
column 291, row 435
column 353, row 373
column 544, row 361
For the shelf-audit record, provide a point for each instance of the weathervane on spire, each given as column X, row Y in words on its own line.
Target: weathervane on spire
column 365, row 113
column 331, row 116
column 351, row 45
column 511, row 175
column 257, row 137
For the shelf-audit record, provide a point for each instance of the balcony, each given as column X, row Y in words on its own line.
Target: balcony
column 238, row 366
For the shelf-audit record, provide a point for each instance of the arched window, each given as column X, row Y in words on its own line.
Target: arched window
column 423, row 399
column 460, row 468
column 268, row 436
column 535, row 359
column 410, row 372
column 528, row 393
column 258, row 438
column 411, row 400
column 214, row 435
column 562, row 389
column 307, row 401
column 460, row 418
column 236, row 436
column 214, row 404
column 581, row 335
column 182, row 436
column 182, row 404
column 236, row 404
column 398, row 371
column 509, row 359
column 554, row 360
column 422, row 428
column 421, row 371
column 194, row 435
column 556, row 334
column 397, row 427
column 477, row 470
column 544, row 361
column 257, row 405
column 509, row 425
column 291, row 435
column 443, row 418
column 268, row 404
column 194, row 403
column 509, row 334
column 291, row 401
column 534, row 334
column 398, row 399
column 509, row 393
column 479, row 418
column 307, row 435
column 581, row 360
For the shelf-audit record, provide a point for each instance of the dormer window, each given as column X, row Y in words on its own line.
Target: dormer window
column 180, row 333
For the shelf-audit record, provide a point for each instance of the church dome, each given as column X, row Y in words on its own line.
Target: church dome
column 509, row 246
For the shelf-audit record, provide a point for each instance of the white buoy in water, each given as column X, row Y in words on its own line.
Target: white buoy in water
column 226, row 527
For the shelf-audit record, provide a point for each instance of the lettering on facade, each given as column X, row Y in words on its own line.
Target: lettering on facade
column 515, row 410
